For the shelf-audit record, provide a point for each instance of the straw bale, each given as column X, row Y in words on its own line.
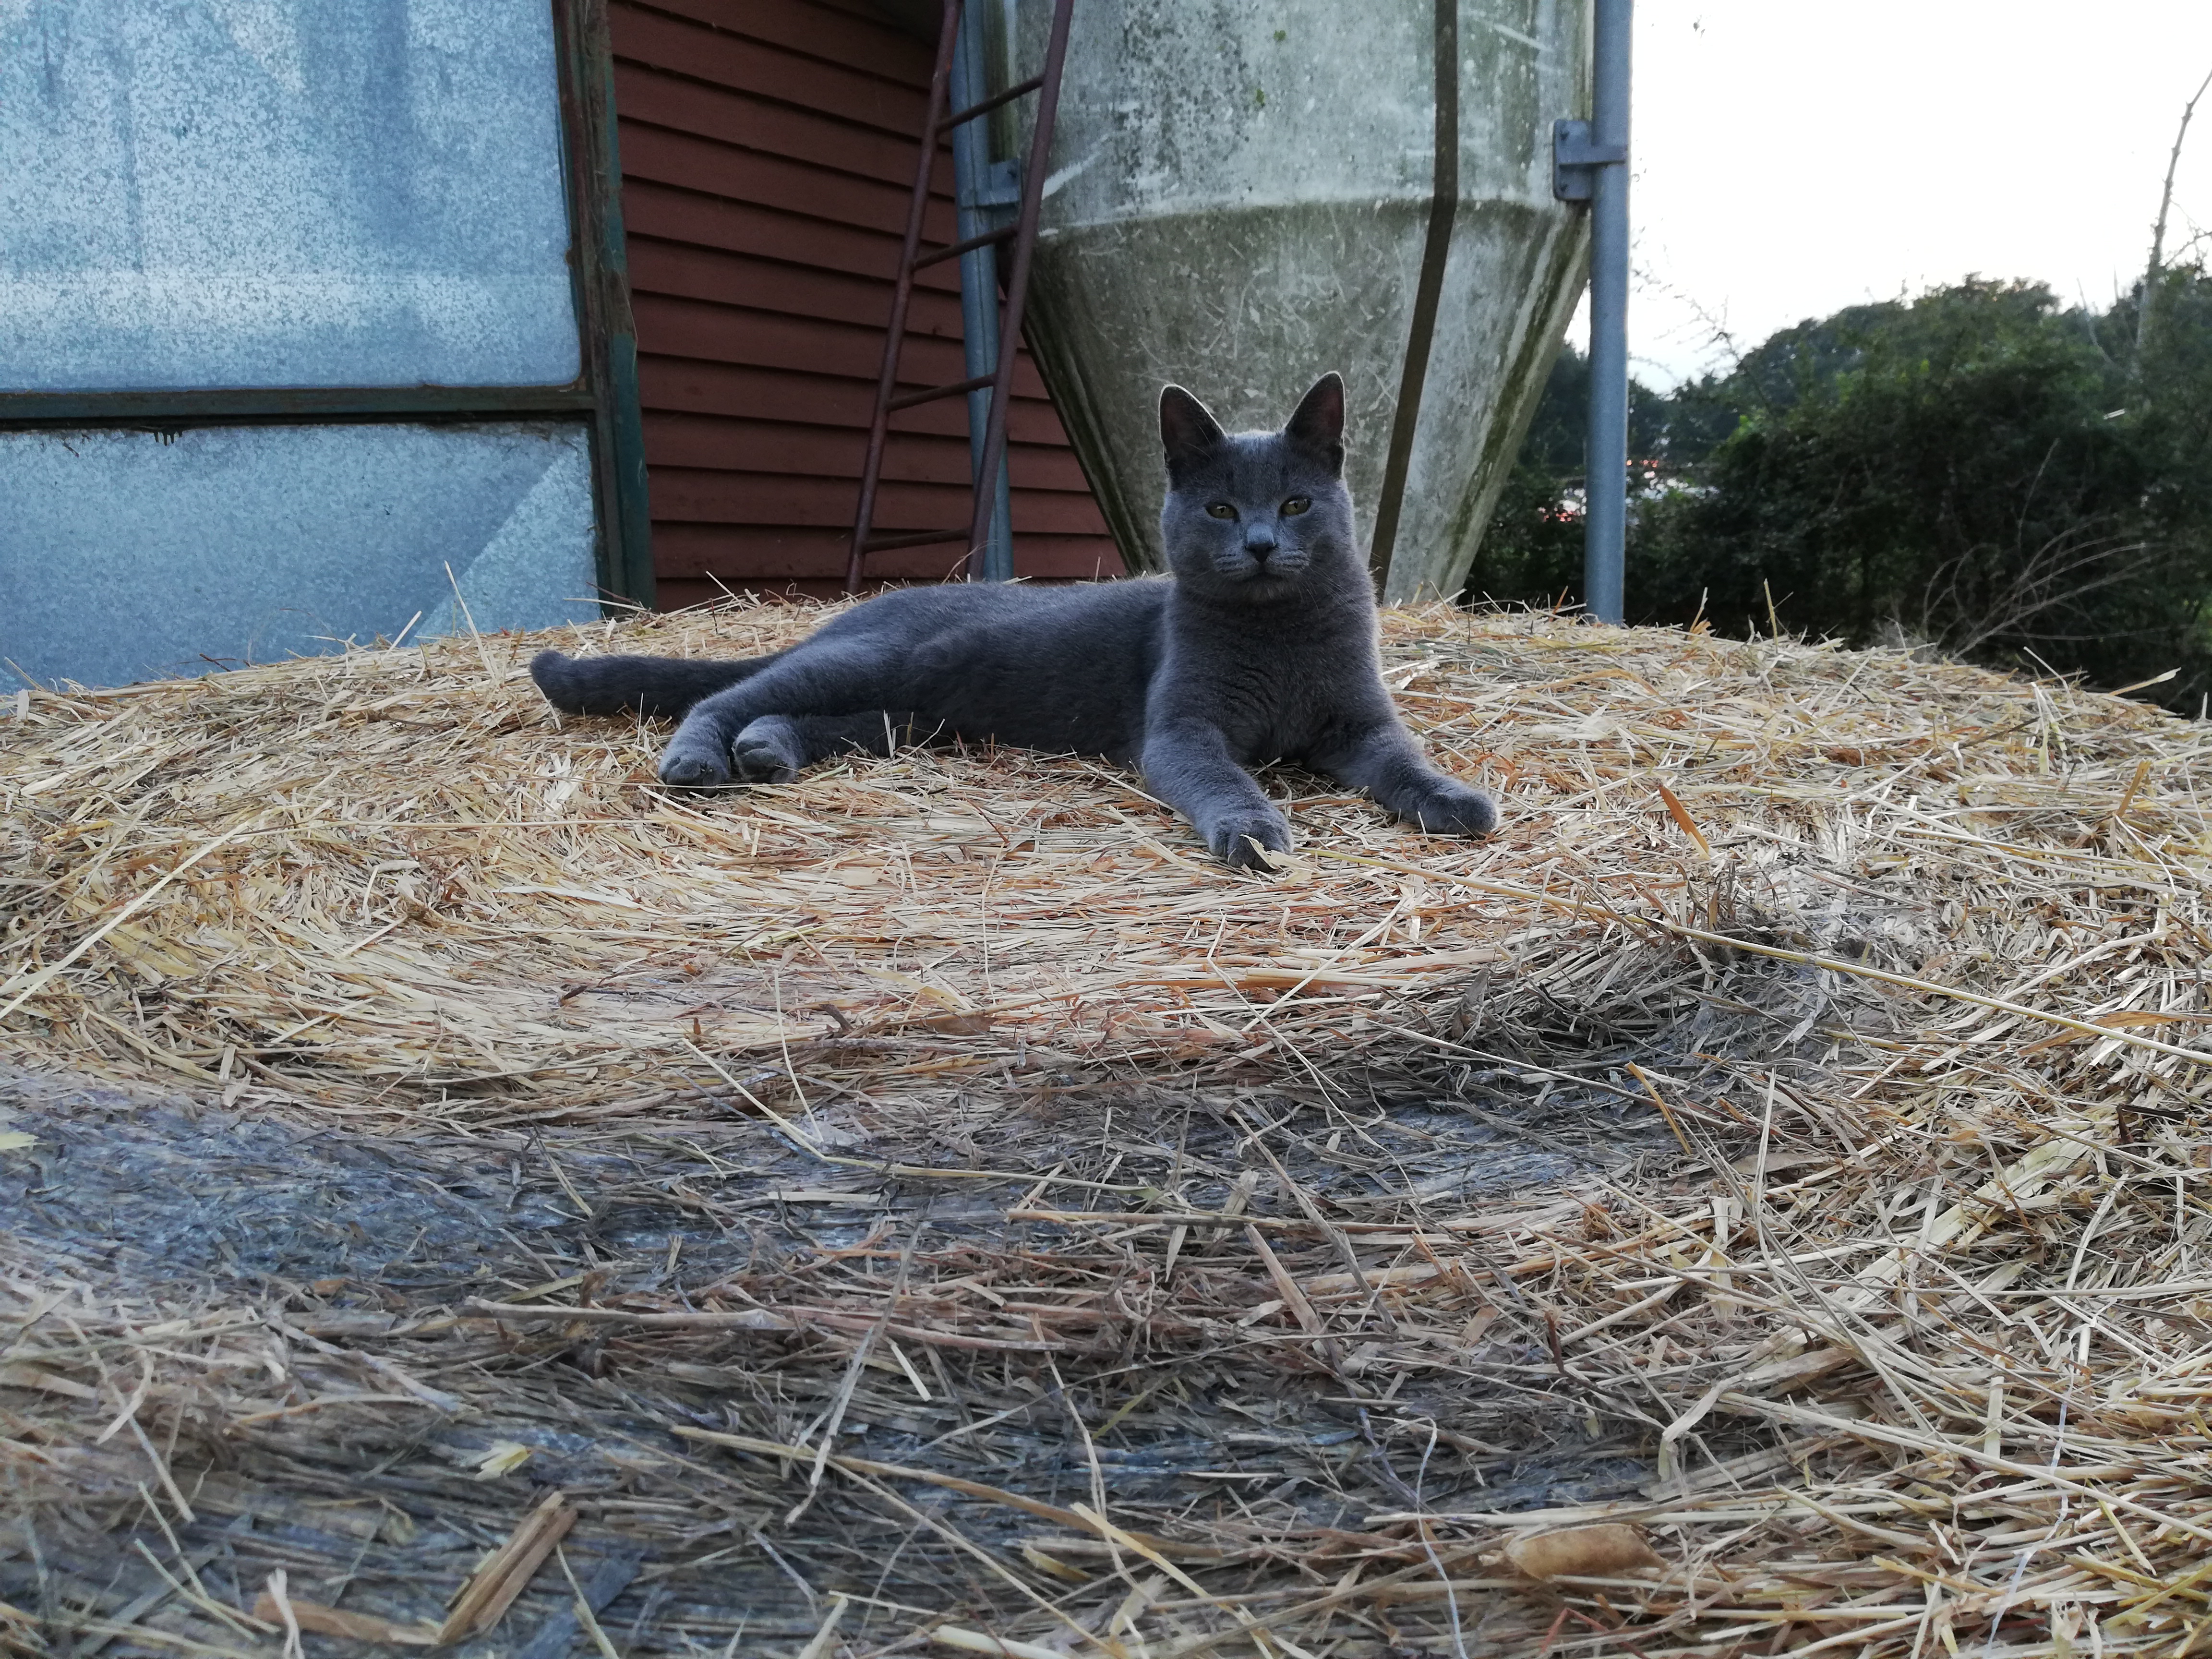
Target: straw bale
column 932, row 1203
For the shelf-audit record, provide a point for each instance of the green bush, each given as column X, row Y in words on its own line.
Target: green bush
column 1979, row 469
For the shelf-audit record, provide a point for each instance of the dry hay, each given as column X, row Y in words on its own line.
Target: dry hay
column 932, row 1206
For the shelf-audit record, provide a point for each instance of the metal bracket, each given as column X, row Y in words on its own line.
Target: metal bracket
column 1001, row 189
column 1576, row 159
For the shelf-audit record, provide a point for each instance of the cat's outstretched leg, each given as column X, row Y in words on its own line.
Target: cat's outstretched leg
column 1189, row 765
column 656, row 687
column 777, row 748
column 1386, row 761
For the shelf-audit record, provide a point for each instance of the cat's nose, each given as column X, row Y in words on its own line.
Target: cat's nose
column 1259, row 542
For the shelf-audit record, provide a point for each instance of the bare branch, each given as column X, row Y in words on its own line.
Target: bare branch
column 1973, row 601
column 2156, row 267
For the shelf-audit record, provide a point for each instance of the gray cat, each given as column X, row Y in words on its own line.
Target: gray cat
column 1261, row 645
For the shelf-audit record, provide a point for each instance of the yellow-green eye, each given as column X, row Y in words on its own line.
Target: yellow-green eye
column 1221, row 510
column 1295, row 506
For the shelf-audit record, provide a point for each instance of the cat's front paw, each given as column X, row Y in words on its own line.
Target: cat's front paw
column 767, row 752
column 1452, row 810
column 1233, row 838
column 692, row 762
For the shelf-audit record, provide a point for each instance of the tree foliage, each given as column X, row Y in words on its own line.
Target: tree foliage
column 1980, row 469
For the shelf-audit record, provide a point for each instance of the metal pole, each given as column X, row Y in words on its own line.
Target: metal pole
column 1017, row 276
column 979, row 291
column 1605, row 483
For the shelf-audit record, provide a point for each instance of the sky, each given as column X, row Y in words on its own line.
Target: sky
column 1789, row 159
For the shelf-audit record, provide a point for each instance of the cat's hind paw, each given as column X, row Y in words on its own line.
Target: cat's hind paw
column 767, row 752
column 1245, row 839
column 1455, row 809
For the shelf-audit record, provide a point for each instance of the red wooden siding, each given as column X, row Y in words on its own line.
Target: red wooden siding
column 768, row 153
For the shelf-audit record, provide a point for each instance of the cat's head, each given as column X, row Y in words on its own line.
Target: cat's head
column 1258, row 516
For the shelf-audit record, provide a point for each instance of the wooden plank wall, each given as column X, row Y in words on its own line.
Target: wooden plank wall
column 767, row 156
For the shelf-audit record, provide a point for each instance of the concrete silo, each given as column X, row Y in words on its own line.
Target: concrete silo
column 1244, row 193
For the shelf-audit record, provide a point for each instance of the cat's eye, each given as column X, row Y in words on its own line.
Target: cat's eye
column 1295, row 506
column 1220, row 510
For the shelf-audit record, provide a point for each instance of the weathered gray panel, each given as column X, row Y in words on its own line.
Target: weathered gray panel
column 125, row 556
column 280, row 192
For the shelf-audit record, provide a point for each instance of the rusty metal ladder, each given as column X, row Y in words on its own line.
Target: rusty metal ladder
column 979, row 295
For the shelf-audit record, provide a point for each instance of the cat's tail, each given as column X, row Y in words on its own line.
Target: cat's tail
column 657, row 687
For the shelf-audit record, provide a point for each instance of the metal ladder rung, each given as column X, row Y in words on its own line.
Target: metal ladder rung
column 954, row 250
column 908, row 400
column 915, row 539
column 1018, row 90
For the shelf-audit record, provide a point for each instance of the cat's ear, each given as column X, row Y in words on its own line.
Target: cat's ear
column 1188, row 431
column 1317, row 425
